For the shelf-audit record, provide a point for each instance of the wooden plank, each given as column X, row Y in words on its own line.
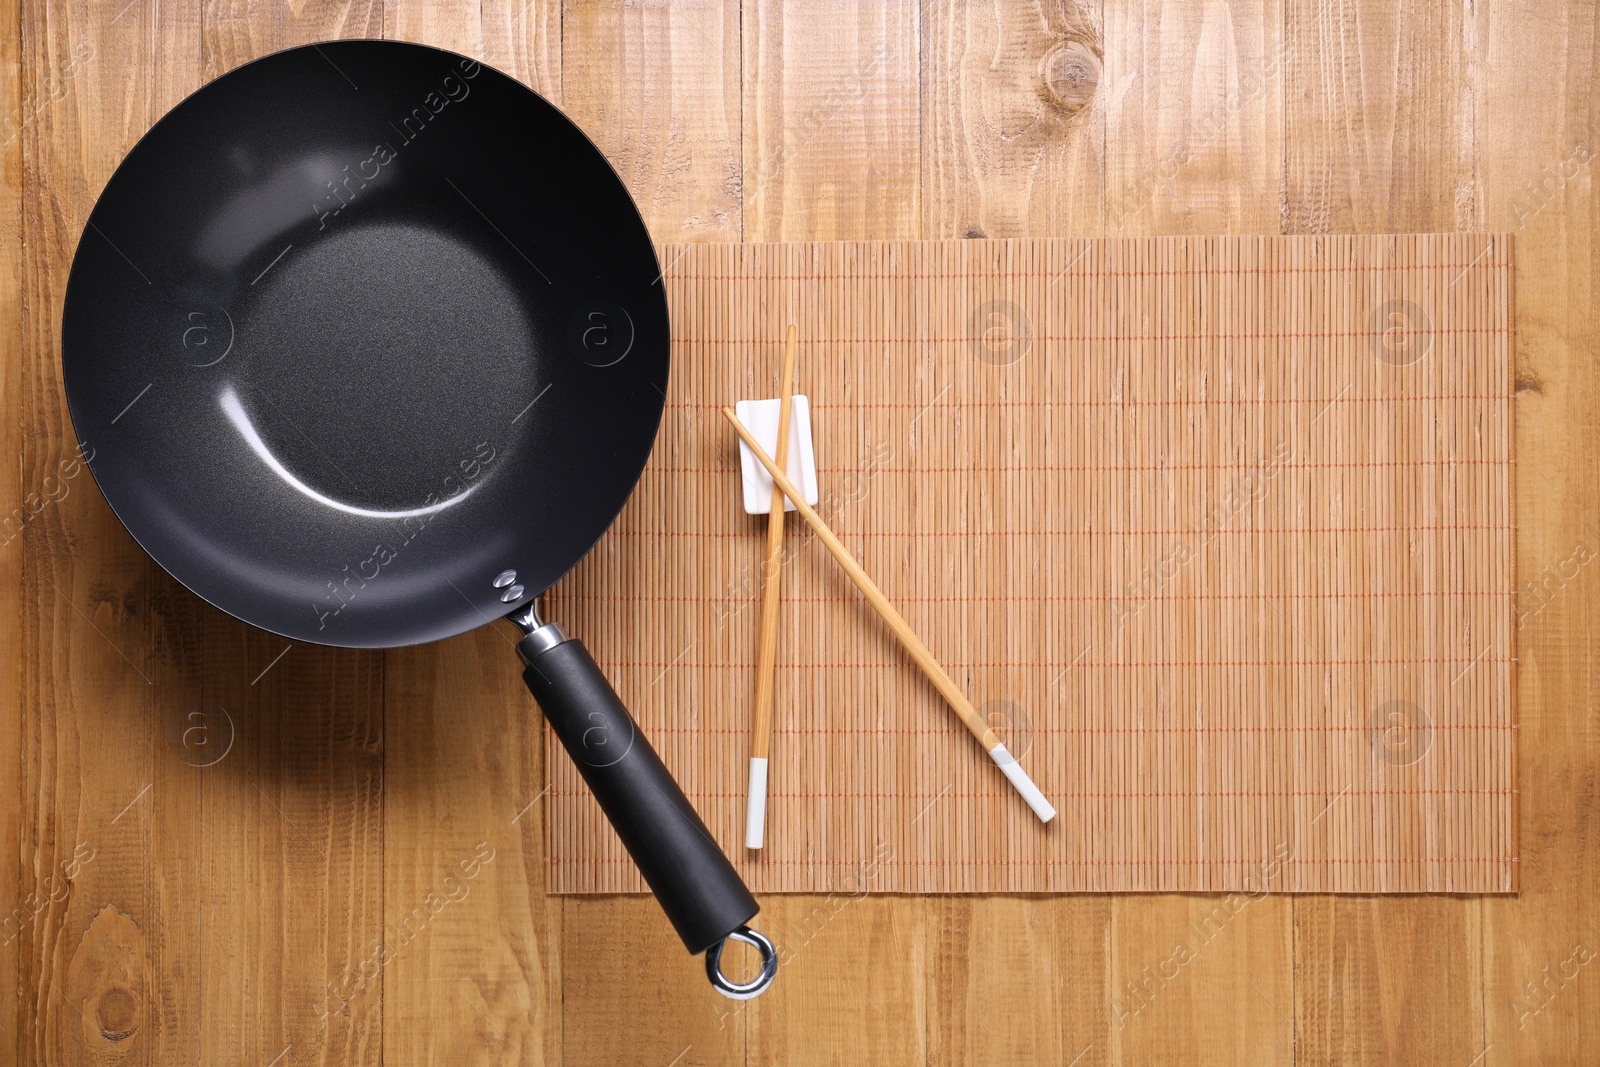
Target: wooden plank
column 1019, row 980
column 1194, row 117
column 850, row 988
column 456, row 26
column 16, row 113
column 1535, row 138
column 630, row 994
column 1201, row 979
column 1378, row 982
column 831, row 121
column 1373, row 143
column 237, row 31
column 1374, row 119
column 521, row 38
column 657, row 88
column 292, row 905
column 1013, row 120
column 476, row 974
column 109, row 842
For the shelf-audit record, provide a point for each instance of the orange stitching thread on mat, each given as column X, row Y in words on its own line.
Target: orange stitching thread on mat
column 819, row 406
column 998, row 275
column 1110, row 468
column 1019, row 598
column 1143, row 664
column 915, row 731
column 750, row 342
column 1087, row 533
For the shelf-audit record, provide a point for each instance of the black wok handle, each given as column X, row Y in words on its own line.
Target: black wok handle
column 698, row 888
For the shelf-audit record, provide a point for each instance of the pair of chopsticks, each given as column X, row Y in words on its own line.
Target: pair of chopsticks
column 783, row 487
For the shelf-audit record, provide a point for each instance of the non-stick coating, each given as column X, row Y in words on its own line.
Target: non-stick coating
column 357, row 328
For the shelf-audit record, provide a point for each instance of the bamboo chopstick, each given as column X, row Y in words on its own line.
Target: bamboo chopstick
column 913, row 644
column 755, row 822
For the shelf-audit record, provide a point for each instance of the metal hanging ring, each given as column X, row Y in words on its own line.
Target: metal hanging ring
column 742, row 990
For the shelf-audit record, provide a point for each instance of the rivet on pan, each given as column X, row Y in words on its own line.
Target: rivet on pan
column 512, row 594
column 504, row 578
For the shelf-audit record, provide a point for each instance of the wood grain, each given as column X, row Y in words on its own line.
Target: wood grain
column 1534, row 137
column 992, row 119
column 108, row 836
column 1378, row 127
column 1046, row 1006
column 831, row 110
column 1013, row 119
column 1194, row 116
column 12, row 288
column 656, row 86
column 849, row 1006
column 476, row 969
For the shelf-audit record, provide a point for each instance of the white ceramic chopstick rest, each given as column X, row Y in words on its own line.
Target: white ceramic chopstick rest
column 761, row 418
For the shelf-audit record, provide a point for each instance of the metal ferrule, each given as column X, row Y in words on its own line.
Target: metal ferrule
column 538, row 636
column 539, row 641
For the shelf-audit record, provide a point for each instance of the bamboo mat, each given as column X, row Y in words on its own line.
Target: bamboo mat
column 1216, row 530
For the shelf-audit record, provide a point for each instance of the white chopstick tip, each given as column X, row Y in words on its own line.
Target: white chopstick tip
column 755, row 820
column 1019, row 779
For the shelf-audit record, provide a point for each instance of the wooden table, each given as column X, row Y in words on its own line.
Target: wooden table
column 213, row 832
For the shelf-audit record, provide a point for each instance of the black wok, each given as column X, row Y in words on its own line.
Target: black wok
column 372, row 347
